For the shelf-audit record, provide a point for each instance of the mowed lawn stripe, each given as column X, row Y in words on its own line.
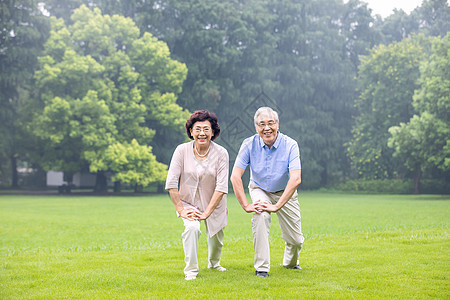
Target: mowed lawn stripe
column 357, row 246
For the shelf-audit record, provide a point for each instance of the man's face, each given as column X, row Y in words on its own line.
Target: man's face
column 267, row 128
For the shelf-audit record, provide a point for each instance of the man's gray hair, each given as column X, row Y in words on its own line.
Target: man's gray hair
column 267, row 110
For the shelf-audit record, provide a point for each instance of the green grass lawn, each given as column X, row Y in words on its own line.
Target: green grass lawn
column 357, row 246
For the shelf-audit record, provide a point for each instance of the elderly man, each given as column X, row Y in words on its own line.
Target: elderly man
column 275, row 174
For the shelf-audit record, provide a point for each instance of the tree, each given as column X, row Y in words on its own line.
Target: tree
column 23, row 31
column 434, row 17
column 431, row 18
column 434, row 93
column 423, row 144
column 102, row 85
column 134, row 164
column 397, row 26
column 387, row 80
column 302, row 54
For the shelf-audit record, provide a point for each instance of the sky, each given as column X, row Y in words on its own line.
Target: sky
column 385, row 7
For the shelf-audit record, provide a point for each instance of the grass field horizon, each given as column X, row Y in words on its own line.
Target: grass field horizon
column 357, row 246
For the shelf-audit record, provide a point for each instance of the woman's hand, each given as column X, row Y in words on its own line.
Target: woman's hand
column 190, row 214
column 203, row 216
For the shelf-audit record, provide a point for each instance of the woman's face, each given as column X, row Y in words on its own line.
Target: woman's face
column 202, row 132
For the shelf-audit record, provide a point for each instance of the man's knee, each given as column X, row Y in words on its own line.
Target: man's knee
column 261, row 223
column 262, row 218
column 297, row 240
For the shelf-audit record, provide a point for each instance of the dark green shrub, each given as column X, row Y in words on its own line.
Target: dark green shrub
column 393, row 186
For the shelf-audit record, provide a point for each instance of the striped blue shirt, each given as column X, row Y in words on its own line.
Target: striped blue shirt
column 269, row 168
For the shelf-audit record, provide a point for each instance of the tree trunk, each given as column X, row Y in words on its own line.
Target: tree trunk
column 117, row 187
column 324, row 175
column 14, row 173
column 417, row 177
column 100, row 183
column 41, row 177
column 68, row 177
column 138, row 188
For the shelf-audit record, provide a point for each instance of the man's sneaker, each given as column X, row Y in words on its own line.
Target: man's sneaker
column 262, row 274
column 297, row 267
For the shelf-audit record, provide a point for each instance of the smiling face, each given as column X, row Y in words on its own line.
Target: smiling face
column 202, row 133
column 267, row 127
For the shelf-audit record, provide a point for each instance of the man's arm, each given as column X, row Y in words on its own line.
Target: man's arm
column 295, row 178
column 238, row 187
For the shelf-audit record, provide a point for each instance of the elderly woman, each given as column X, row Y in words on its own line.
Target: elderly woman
column 198, row 184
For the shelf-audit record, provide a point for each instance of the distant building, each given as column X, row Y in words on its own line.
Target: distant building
column 80, row 180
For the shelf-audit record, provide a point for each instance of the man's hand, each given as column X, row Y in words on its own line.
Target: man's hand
column 268, row 207
column 256, row 207
column 190, row 214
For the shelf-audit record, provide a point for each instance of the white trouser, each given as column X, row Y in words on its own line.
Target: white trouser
column 190, row 237
column 291, row 229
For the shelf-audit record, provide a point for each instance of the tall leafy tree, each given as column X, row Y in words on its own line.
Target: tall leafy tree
column 309, row 72
column 303, row 55
column 423, row 144
column 430, row 18
column 387, row 80
column 397, row 26
column 23, row 31
column 101, row 85
column 434, row 17
column 434, row 93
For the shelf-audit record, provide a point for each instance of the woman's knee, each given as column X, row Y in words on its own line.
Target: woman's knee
column 192, row 227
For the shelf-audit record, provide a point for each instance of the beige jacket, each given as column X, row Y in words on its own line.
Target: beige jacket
column 183, row 175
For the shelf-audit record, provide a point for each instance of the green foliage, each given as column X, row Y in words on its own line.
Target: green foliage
column 134, row 164
column 434, row 93
column 434, row 16
column 23, row 31
column 391, row 186
column 387, row 81
column 106, row 89
column 303, row 54
column 380, row 186
column 430, row 18
column 423, row 144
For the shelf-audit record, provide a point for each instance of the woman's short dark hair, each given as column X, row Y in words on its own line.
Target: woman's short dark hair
column 200, row 116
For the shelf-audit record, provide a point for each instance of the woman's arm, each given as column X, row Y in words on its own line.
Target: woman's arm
column 215, row 200
column 190, row 214
column 173, row 177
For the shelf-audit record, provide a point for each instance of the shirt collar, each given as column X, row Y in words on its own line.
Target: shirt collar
column 276, row 144
column 278, row 140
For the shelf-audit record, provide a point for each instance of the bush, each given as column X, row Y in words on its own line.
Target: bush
column 386, row 186
column 432, row 186
column 393, row 186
